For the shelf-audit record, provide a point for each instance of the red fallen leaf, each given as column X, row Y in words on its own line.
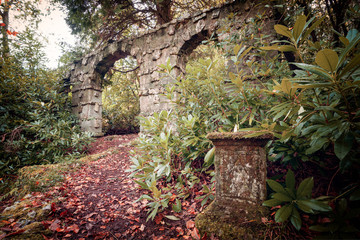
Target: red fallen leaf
column 15, row 233
column 2, row 24
column 45, row 237
column 64, row 213
column 204, row 237
column 55, row 225
column 190, row 224
column 68, row 235
column 59, row 229
column 53, row 207
column 37, row 183
column 46, row 224
column 195, row 234
column 74, row 228
column 180, row 231
column 158, row 218
column 35, row 203
column 6, row 222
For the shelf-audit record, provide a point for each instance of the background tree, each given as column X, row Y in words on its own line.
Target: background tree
column 114, row 19
column 24, row 10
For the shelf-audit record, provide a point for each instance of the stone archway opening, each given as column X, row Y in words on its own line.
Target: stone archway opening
column 120, row 98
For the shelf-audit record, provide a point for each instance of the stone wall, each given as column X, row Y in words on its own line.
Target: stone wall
column 171, row 41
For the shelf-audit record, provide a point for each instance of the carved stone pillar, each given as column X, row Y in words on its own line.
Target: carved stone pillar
column 240, row 171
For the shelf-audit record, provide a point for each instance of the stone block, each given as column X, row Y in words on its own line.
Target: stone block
column 87, row 95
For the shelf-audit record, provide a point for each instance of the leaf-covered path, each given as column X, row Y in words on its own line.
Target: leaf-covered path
column 98, row 202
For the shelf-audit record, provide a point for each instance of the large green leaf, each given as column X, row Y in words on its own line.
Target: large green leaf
column 327, row 59
column 275, row 186
column 316, row 145
column 351, row 35
column 303, row 207
column 290, row 179
column 343, row 145
column 283, row 213
column 316, row 70
column 282, row 48
column 315, row 205
column 283, row 30
column 295, row 219
column 271, row 203
column 283, row 197
column 305, row 188
column 348, row 49
column 299, row 27
column 353, row 65
column 209, row 157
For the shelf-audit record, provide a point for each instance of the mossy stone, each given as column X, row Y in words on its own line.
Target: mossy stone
column 227, row 227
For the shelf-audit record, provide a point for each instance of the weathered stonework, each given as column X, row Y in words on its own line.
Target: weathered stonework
column 240, row 172
column 169, row 42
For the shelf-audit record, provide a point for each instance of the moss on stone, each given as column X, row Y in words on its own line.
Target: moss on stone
column 213, row 221
column 238, row 135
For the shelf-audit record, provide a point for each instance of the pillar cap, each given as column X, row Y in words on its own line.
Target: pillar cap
column 258, row 135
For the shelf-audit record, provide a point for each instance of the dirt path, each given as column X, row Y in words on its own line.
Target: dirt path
column 99, row 202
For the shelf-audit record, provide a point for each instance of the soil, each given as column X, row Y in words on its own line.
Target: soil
column 98, row 201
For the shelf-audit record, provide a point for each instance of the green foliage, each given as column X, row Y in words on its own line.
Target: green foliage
column 320, row 102
column 36, row 125
column 294, row 200
column 342, row 222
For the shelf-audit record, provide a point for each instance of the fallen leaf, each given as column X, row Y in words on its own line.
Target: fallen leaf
column 74, row 228
column 195, row 234
column 16, row 233
column 180, row 230
column 158, row 218
column 142, row 227
column 90, row 215
column 55, row 225
column 190, row 224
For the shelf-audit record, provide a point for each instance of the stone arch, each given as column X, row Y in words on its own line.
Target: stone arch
column 169, row 42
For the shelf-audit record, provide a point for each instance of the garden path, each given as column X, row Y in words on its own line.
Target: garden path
column 99, row 202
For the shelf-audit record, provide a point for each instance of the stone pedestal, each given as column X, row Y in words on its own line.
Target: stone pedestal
column 240, row 171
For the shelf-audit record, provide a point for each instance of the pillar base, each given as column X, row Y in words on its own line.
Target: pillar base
column 214, row 220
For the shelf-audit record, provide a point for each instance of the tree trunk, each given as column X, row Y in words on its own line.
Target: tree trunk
column 4, row 29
